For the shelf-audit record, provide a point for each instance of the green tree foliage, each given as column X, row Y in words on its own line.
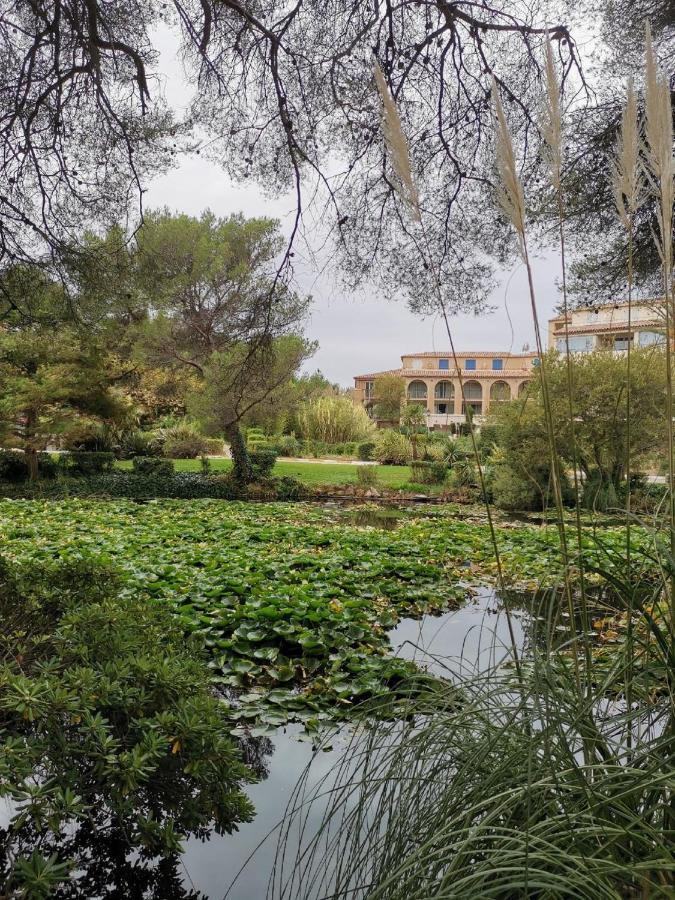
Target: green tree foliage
column 388, row 393
column 333, row 420
column 219, row 310
column 109, row 735
column 54, row 380
column 597, row 426
column 281, row 416
column 270, row 391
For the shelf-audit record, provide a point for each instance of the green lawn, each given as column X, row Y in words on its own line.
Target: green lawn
column 308, row 473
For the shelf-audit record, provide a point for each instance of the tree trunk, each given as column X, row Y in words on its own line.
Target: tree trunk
column 32, row 460
column 242, row 471
column 30, row 451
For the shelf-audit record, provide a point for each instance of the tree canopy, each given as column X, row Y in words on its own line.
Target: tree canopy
column 593, row 433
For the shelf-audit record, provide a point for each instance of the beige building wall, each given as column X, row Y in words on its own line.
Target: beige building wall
column 432, row 381
column 608, row 327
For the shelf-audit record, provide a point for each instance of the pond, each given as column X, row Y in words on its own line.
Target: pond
column 467, row 640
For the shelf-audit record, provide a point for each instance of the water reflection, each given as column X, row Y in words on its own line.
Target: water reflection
column 465, row 640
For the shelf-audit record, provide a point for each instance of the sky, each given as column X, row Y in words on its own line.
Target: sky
column 357, row 333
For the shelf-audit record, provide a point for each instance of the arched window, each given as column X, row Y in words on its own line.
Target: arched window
column 444, row 398
column 499, row 392
column 417, row 390
column 523, row 388
column 473, row 398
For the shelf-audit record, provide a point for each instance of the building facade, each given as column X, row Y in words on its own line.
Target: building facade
column 608, row 327
column 431, row 381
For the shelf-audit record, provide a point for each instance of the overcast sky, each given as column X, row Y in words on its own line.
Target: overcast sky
column 357, row 333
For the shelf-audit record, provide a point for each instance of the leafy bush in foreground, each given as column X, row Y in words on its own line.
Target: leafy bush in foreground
column 106, row 723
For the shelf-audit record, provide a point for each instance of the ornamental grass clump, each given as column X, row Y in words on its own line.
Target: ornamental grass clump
column 334, row 420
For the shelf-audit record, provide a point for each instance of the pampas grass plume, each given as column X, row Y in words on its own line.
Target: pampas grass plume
column 552, row 126
column 509, row 190
column 397, row 146
column 627, row 185
column 659, row 147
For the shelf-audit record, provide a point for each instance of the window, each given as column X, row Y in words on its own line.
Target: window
column 444, row 390
column 369, row 389
column 535, row 361
column 499, row 392
column 444, row 364
column 622, row 343
column 417, row 390
column 473, row 398
column 470, row 365
column 497, row 365
column 523, row 388
column 649, row 338
column 579, row 344
column 444, row 398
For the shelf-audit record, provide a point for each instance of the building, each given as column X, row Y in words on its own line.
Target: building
column 431, row 380
column 606, row 327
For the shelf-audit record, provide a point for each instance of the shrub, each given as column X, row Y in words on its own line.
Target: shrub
column 48, row 466
column 13, row 466
column 512, row 490
column 179, row 441
column 288, row 488
column 366, row 450
column 314, row 448
column 188, row 447
column 392, row 448
column 464, row 472
column 255, row 437
column 333, row 420
column 428, row 471
column 366, row 476
column 152, row 465
column 287, row 445
column 84, row 462
column 437, row 451
column 91, row 439
column 134, row 442
column 214, row 446
column 599, row 494
column 262, row 462
column 108, row 715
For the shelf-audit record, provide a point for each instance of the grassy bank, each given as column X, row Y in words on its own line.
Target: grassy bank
column 307, row 473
